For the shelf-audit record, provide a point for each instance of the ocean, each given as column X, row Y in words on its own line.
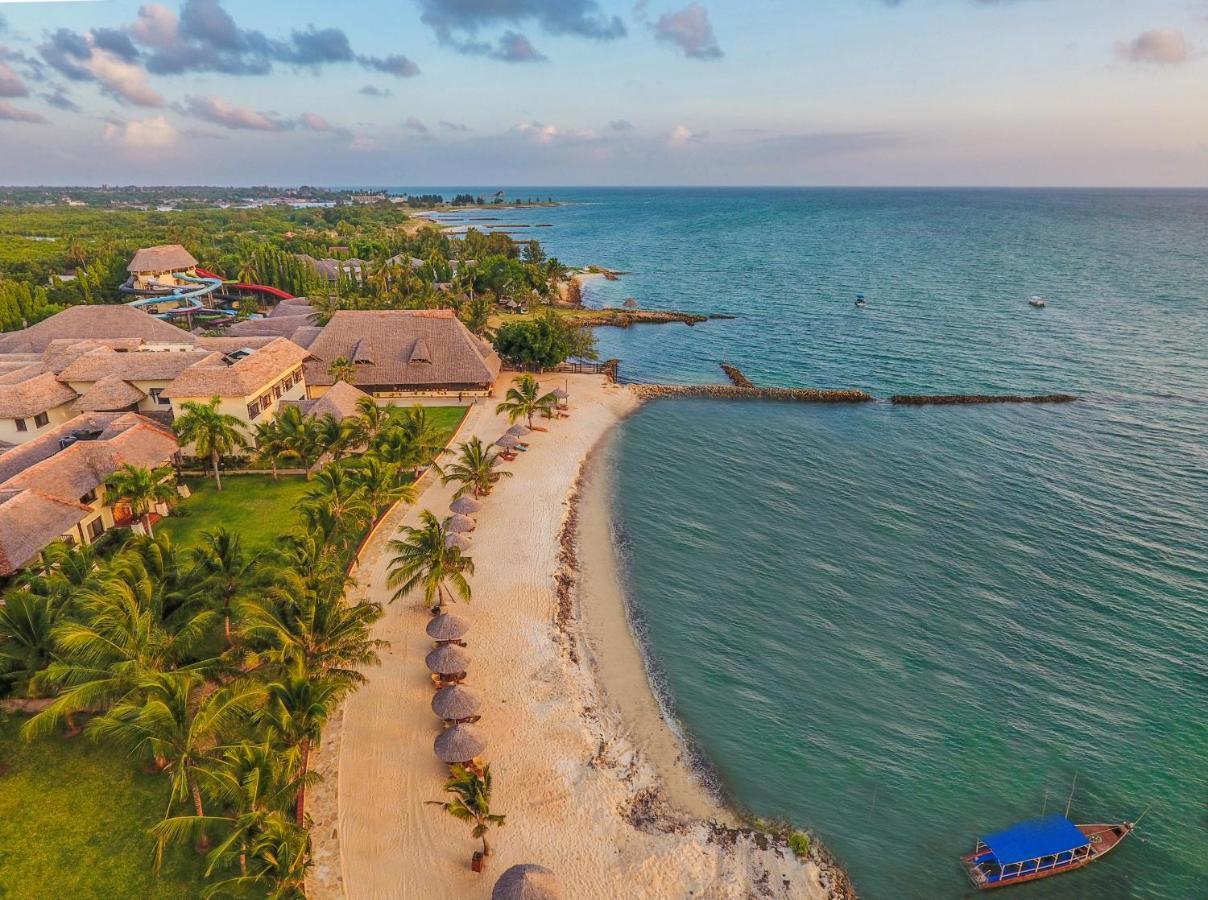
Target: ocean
column 902, row 627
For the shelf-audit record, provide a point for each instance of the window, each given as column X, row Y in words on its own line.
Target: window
column 88, row 498
column 156, row 397
column 277, row 391
column 41, row 420
column 253, row 409
column 21, row 426
column 95, row 528
column 266, row 400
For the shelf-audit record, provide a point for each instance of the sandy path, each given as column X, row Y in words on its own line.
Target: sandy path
column 563, row 774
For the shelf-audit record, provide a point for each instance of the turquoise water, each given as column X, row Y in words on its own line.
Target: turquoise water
column 904, row 626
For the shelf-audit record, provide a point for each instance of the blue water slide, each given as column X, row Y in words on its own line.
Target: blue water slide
column 190, row 298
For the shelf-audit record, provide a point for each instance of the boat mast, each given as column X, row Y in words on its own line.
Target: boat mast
column 1070, row 802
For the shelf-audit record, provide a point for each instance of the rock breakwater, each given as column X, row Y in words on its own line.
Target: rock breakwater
column 954, row 399
column 731, row 391
column 736, row 377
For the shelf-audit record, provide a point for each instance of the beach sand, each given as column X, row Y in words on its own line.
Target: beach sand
column 590, row 778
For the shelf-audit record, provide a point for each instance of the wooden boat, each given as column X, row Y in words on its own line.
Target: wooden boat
column 1039, row 848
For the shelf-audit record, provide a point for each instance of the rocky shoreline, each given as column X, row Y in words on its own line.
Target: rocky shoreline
column 623, row 318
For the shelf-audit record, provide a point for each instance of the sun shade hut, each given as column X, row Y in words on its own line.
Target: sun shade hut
column 508, row 442
column 560, row 394
column 527, row 882
column 459, row 744
column 458, row 540
column 519, row 430
column 448, row 659
column 465, row 506
column 447, row 627
column 456, row 524
column 456, row 703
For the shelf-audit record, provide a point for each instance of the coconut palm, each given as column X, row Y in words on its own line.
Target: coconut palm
column 213, row 433
column 27, row 624
column 362, row 430
column 278, row 857
column 379, row 483
column 476, row 468
column 471, row 802
column 178, row 724
column 338, row 488
column 141, row 489
column 296, row 709
column 524, row 398
column 423, row 558
column 300, row 435
column 342, row 369
column 226, row 572
column 270, row 443
column 423, row 433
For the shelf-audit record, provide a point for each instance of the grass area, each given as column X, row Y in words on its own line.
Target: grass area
column 255, row 506
column 444, row 418
column 74, row 820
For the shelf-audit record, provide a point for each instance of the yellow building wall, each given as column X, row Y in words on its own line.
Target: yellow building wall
column 57, row 416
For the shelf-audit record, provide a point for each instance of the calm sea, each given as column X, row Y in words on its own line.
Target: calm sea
column 901, row 627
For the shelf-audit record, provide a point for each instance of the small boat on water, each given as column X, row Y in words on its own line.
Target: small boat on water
column 1038, row 302
column 1039, row 848
column 860, row 301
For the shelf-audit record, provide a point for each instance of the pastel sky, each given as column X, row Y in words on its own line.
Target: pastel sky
column 596, row 92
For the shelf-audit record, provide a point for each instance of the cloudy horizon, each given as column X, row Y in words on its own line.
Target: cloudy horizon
column 593, row 92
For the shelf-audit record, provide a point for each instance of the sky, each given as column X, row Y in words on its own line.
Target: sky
column 596, row 92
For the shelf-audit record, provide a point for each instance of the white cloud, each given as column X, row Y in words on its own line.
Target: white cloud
column 220, row 112
column 682, row 135
column 1165, row 46
column 11, row 84
column 123, row 79
column 155, row 132
column 547, row 134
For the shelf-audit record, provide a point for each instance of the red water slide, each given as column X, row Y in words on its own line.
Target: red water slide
column 260, row 288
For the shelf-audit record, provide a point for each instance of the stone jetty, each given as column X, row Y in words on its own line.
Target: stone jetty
column 736, row 377
column 623, row 318
column 734, row 392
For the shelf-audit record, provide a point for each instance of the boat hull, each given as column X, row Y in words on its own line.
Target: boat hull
column 1104, row 839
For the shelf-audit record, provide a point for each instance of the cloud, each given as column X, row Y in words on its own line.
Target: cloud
column 397, row 65
column 217, row 111
column 82, row 58
column 371, row 90
column 60, row 99
column 314, row 122
column 1166, row 46
column 152, row 133
column 457, row 23
column 548, row 134
column 10, row 113
column 452, row 126
column 122, row 80
column 682, row 136
column 689, row 29
column 620, row 125
column 414, row 124
column 11, row 84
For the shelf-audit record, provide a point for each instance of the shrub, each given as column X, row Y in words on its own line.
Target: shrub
column 799, row 843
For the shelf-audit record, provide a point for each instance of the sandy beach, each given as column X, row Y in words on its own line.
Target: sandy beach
column 591, row 779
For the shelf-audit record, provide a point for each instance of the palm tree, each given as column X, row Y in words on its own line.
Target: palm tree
column 379, row 483
column 226, row 572
column 296, row 710
column 427, row 439
column 314, row 630
column 342, row 369
column 471, row 801
column 477, row 468
column 525, row 398
column 27, row 623
column 213, row 433
column 270, row 443
column 424, row 558
column 300, row 434
column 173, row 718
column 371, row 420
column 338, row 488
column 141, row 489
column 280, row 856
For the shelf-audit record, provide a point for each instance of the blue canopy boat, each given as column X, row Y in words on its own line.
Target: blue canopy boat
column 1039, row 848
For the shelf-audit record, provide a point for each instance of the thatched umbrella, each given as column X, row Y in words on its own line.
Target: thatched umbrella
column 458, row 540
column 448, row 659
column 527, row 882
column 456, row 702
column 508, row 442
column 456, row 524
column 519, row 430
column 459, row 744
column 560, row 394
column 465, row 506
column 447, row 627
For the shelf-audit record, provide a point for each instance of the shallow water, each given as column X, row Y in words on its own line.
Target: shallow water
column 905, row 626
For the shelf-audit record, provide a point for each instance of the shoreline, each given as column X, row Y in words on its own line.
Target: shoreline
column 582, row 793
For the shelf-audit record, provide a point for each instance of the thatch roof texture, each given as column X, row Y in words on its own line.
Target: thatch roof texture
column 241, row 378
column 447, row 627
column 527, row 881
column 412, row 349
column 465, row 506
column 32, row 396
column 339, row 402
column 456, row 702
column 448, row 659
column 109, row 394
column 101, row 322
column 459, row 744
column 160, row 259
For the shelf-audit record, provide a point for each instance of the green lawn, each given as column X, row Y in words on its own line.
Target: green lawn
column 74, row 820
column 446, row 418
column 255, row 506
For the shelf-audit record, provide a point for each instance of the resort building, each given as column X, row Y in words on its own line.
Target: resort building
column 157, row 267
column 54, row 486
column 116, row 359
column 339, row 401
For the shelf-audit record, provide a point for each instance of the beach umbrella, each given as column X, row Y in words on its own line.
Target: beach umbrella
column 458, row 540
column 519, row 430
column 527, row 882
column 508, row 441
column 465, row 506
column 459, row 744
column 455, row 524
column 456, row 702
column 560, row 394
column 447, row 627
column 448, row 659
